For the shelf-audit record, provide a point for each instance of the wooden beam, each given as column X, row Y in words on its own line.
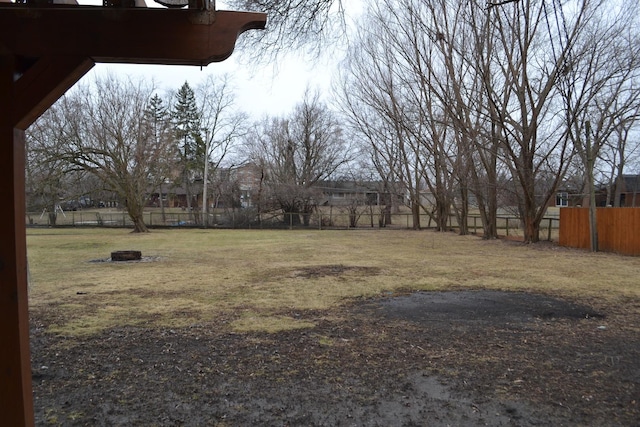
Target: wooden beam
column 144, row 36
column 16, row 400
column 43, row 83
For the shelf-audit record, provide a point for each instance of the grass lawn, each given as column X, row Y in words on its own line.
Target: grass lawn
column 258, row 280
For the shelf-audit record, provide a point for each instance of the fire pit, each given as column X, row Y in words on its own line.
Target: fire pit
column 126, row 256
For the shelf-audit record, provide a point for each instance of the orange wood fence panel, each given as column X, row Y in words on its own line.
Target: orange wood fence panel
column 618, row 229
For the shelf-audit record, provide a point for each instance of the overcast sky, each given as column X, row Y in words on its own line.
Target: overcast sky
column 260, row 91
column 263, row 89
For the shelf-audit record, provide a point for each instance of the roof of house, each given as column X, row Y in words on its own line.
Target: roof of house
column 350, row 186
column 631, row 183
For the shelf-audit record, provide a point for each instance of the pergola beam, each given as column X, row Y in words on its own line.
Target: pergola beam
column 43, row 83
column 136, row 35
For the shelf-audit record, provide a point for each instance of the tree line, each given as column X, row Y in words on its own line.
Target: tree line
column 463, row 100
column 469, row 99
column 121, row 137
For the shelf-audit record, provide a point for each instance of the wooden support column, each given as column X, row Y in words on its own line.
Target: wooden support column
column 25, row 96
column 15, row 364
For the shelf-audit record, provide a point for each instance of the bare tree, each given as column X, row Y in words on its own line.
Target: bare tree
column 472, row 90
column 621, row 149
column 295, row 25
column 533, row 42
column 47, row 177
column 600, row 91
column 599, row 82
column 297, row 152
column 388, row 94
column 221, row 124
column 109, row 137
column 454, row 55
column 375, row 136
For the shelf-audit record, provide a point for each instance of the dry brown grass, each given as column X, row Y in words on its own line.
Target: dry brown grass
column 253, row 279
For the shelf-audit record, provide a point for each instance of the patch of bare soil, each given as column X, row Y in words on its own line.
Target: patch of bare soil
column 334, row 270
column 468, row 358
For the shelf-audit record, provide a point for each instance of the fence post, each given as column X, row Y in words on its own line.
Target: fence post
column 319, row 220
column 475, row 228
column 507, row 226
column 124, row 224
column 290, row 221
column 549, row 233
column 150, row 219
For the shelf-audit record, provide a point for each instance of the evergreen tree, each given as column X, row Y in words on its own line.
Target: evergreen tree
column 190, row 144
column 158, row 120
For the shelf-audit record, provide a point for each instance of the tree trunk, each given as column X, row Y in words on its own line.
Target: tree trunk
column 490, row 223
column 162, row 212
column 618, row 186
column 442, row 214
column 531, row 231
column 138, row 224
column 463, row 214
column 530, row 223
column 136, row 213
column 415, row 213
column 187, row 188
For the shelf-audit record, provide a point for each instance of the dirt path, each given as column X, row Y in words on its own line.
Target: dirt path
column 466, row 358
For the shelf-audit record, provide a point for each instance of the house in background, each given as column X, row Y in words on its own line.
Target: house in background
column 248, row 179
column 349, row 192
column 566, row 197
column 627, row 187
column 242, row 186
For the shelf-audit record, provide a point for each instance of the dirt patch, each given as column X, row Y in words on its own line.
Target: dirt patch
column 133, row 261
column 334, row 270
column 436, row 359
column 506, row 308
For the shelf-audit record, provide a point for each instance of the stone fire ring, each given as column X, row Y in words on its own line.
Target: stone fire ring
column 126, row 256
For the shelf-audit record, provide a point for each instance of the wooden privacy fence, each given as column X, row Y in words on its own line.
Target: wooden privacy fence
column 618, row 229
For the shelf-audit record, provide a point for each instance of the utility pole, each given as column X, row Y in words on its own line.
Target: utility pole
column 593, row 220
column 205, row 205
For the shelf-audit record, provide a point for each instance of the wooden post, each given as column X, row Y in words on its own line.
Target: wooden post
column 15, row 359
column 593, row 220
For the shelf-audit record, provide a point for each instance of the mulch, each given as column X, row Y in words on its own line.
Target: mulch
column 464, row 358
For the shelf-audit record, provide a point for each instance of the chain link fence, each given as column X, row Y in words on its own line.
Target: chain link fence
column 510, row 226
